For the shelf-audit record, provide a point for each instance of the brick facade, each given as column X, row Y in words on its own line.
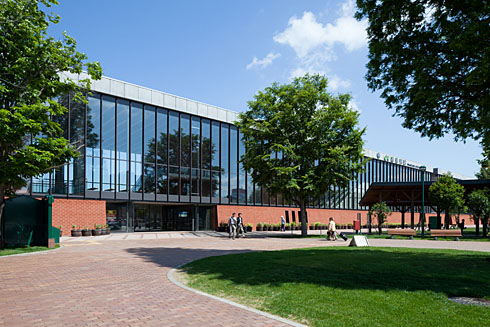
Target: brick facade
column 67, row 212
column 272, row 215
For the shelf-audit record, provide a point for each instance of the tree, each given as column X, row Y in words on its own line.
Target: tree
column 380, row 211
column 431, row 59
column 479, row 205
column 31, row 63
column 300, row 140
column 447, row 195
column 484, row 163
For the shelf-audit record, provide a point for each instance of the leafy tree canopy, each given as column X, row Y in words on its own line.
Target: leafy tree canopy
column 479, row 205
column 447, row 194
column 380, row 211
column 431, row 59
column 300, row 140
column 31, row 63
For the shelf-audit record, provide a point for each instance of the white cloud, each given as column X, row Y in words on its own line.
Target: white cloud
column 335, row 83
column 262, row 63
column 354, row 105
column 306, row 35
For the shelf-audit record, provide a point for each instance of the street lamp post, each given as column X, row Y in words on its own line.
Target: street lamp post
column 423, row 168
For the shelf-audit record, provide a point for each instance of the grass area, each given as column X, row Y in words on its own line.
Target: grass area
column 339, row 286
column 23, row 249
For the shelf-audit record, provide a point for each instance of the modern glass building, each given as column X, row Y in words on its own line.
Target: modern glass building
column 162, row 162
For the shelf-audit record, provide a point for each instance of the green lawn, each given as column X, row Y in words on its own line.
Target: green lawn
column 25, row 249
column 352, row 286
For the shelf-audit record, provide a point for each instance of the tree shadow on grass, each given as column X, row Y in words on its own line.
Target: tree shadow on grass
column 454, row 273
column 175, row 257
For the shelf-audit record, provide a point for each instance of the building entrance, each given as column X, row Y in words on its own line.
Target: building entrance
column 150, row 217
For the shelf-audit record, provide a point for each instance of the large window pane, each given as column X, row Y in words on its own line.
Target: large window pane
column 185, row 144
column 185, row 186
column 122, row 130
column 122, row 176
column 93, row 125
column 196, row 136
column 173, row 180
column 225, row 131
column 136, row 132
column 149, row 173
column 162, row 136
column 174, row 136
column 162, row 180
column 136, row 177
column 206, row 183
column 108, row 127
column 93, row 174
column 77, row 137
column 206, row 144
column 215, row 146
column 108, row 175
column 149, row 135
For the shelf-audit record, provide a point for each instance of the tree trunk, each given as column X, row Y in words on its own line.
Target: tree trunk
column 447, row 220
column 302, row 214
column 477, row 225
column 484, row 229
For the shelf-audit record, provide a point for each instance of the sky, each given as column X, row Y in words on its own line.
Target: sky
column 223, row 52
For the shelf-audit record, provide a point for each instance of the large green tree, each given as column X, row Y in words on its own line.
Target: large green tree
column 431, row 59
column 300, row 140
column 31, row 63
column 448, row 195
column 380, row 211
column 479, row 205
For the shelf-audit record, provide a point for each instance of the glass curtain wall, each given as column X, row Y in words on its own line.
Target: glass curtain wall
column 135, row 151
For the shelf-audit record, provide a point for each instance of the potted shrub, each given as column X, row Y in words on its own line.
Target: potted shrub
column 86, row 231
column 61, row 230
column 75, row 232
column 298, row 226
column 249, row 227
column 312, row 227
column 97, row 230
column 259, row 227
column 266, row 227
column 318, row 226
column 287, row 226
column 277, row 227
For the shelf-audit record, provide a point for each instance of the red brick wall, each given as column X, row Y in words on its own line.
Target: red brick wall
column 253, row 215
column 78, row 212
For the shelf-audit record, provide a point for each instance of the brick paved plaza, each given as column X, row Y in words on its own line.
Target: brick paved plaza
column 122, row 282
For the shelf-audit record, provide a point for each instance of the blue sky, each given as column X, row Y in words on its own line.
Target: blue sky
column 223, row 52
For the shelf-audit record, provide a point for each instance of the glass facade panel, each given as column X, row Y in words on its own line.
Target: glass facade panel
column 162, row 143
column 196, row 142
column 206, row 144
column 185, row 140
column 225, row 134
column 149, row 135
column 149, row 178
column 136, row 166
column 174, row 139
column 77, row 137
column 173, row 180
column 162, row 187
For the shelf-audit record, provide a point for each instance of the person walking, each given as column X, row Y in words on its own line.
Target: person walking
column 232, row 226
column 332, row 235
column 239, row 228
column 283, row 224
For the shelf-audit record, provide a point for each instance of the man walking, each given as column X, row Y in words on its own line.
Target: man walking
column 239, row 228
column 332, row 235
column 232, row 226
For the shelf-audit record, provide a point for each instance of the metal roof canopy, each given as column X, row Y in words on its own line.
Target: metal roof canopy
column 410, row 193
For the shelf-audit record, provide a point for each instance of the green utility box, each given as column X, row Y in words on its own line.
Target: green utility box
column 433, row 222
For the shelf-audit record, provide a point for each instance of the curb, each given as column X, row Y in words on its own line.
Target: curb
column 171, row 278
column 31, row 253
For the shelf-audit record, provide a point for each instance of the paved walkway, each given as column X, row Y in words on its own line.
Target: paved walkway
column 97, row 282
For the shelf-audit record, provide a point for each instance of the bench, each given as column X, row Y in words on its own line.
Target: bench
column 402, row 232
column 456, row 233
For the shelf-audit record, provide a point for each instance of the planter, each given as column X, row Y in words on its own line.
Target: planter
column 96, row 232
column 259, row 229
column 87, row 232
column 276, row 228
column 108, row 231
column 61, row 233
column 288, row 227
column 103, row 231
column 249, row 229
column 76, row 233
column 312, row 228
column 222, row 229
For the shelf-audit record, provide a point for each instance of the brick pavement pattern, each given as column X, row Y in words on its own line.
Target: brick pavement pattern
column 122, row 282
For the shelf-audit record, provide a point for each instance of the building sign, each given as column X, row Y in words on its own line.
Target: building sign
column 395, row 160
